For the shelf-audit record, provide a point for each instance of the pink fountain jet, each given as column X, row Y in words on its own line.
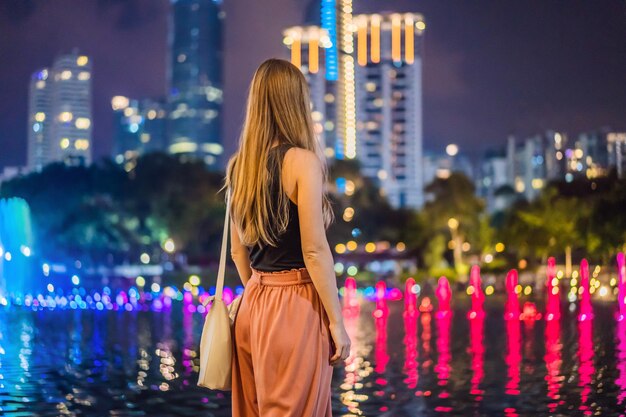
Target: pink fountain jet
column 410, row 298
column 478, row 296
column 511, row 307
column 410, row 315
column 381, row 300
column 586, row 311
column 444, row 295
column 621, row 286
column 553, row 306
column 350, row 300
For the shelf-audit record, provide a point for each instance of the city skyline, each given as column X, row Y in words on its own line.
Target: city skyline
column 466, row 100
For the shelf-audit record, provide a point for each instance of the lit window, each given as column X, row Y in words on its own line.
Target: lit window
column 66, row 116
column 84, row 75
column 40, row 116
column 119, row 102
column 317, row 116
column 83, row 123
column 82, row 60
column 81, row 144
column 66, row 75
column 65, row 142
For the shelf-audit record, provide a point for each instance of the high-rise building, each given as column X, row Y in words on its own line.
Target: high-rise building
column 38, row 154
column 59, row 120
column 195, row 80
column 308, row 46
column 139, row 127
column 537, row 160
column 492, row 183
column 342, row 46
column 598, row 152
column 616, row 145
column 388, row 97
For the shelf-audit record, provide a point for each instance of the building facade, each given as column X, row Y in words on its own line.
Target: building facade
column 388, row 96
column 308, row 46
column 535, row 161
column 60, row 113
column 140, row 128
column 616, row 145
column 195, row 80
column 493, row 183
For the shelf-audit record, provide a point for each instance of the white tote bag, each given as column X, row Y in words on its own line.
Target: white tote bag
column 216, row 344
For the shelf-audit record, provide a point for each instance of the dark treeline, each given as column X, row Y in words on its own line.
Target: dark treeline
column 102, row 214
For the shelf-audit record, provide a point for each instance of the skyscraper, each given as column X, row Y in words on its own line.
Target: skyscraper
column 195, row 80
column 535, row 161
column 388, row 97
column 38, row 153
column 59, row 122
column 139, row 128
column 343, row 47
column 308, row 47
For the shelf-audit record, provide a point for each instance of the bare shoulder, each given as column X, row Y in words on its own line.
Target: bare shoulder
column 303, row 161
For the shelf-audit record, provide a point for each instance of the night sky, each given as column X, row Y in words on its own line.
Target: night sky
column 492, row 67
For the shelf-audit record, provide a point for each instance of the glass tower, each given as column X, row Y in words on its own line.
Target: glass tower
column 195, row 80
column 59, row 120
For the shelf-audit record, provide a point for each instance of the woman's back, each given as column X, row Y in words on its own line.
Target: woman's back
column 287, row 254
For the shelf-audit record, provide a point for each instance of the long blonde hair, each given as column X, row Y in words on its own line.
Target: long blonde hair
column 278, row 107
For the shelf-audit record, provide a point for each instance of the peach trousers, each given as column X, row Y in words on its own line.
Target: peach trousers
column 281, row 364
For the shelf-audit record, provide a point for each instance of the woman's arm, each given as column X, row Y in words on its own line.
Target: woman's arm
column 239, row 254
column 315, row 248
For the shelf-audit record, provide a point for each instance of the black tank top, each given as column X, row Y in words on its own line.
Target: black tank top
column 288, row 252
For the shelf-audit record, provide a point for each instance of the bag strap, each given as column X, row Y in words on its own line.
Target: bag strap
column 222, row 266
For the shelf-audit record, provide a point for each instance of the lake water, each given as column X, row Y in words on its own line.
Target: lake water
column 119, row 363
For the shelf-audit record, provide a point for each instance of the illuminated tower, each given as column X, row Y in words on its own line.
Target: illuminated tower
column 195, row 79
column 346, row 99
column 139, row 128
column 388, row 78
column 39, row 119
column 308, row 47
column 59, row 120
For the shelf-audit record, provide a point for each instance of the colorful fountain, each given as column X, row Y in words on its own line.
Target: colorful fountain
column 410, row 316
column 621, row 286
column 350, row 299
column 475, row 290
column 16, row 242
column 511, row 306
column 553, row 303
column 444, row 295
column 586, row 310
column 410, row 298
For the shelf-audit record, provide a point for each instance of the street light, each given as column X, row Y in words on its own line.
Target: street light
column 457, row 242
column 452, row 149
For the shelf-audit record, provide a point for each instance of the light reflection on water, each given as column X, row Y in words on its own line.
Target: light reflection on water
column 403, row 363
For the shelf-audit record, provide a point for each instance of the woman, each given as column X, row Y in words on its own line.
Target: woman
column 289, row 331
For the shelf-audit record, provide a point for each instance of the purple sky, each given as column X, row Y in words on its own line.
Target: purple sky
column 492, row 67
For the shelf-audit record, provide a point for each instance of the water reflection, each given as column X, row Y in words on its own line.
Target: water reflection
column 403, row 362
column 585, row 368
column 410, row 316
column 443, row 368
column 621, row 362
column 553, row 360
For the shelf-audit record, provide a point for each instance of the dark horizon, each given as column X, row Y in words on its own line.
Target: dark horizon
column 490, row 68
